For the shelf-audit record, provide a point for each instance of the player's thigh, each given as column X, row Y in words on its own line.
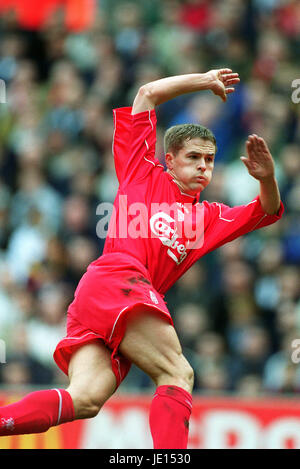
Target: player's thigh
column 151, row 343
column 92, row 380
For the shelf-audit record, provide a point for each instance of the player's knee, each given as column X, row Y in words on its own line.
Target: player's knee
column 187, row 376
column 87, row 403
column 86, row 406
column 179, row 373
column 91, row 408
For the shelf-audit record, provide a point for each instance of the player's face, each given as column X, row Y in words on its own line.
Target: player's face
column 193, row 165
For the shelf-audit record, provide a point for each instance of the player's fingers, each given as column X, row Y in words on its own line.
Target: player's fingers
column 231, row 81
column 262, row 144
column 230, row 76
column 228, row 80
column 249, row 143
column 225, row 70
column 246, row 161
column 250, row 148
column 229, row 90
column 254, row 141
column 221, row 91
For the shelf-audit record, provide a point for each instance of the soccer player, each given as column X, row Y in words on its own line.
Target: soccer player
column 158, row 230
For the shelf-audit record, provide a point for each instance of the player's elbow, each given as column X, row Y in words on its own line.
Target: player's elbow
column 147, row 93
column 145, row 99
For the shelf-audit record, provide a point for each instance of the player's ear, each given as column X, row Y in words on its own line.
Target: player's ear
column 169, row 157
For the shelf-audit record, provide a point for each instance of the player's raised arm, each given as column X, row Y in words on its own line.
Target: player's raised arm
column 261, row 166
column 220, row 82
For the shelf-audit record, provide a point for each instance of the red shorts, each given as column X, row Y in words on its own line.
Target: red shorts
column 114, row 287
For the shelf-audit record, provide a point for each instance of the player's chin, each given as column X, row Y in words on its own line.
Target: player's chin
column 200, row 186
column 194, row 189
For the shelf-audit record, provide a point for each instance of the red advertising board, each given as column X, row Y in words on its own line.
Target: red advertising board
column 218, row 422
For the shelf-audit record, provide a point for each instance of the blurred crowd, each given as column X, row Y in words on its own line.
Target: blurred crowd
column 237, row 311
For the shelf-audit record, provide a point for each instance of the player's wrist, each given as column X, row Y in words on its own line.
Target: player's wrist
column 268, row 179
column 209, row 80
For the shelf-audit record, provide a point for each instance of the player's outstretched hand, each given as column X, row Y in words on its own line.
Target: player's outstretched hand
column 259, row 163
column 223, row 81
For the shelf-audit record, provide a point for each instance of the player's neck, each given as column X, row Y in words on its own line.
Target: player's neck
column 181, row 187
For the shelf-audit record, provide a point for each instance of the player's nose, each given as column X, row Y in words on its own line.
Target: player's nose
column 201, row 164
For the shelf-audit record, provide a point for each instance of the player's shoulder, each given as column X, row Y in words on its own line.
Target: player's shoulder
column 214, row 209
column 210, row 205
column 215, row 205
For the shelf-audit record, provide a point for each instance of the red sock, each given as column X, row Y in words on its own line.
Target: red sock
column 169, row 417
column 37, row 412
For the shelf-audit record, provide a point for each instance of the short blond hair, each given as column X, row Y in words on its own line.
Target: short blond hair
column 176, row 136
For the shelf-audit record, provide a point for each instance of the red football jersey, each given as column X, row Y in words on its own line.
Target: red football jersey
column 153, row 221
